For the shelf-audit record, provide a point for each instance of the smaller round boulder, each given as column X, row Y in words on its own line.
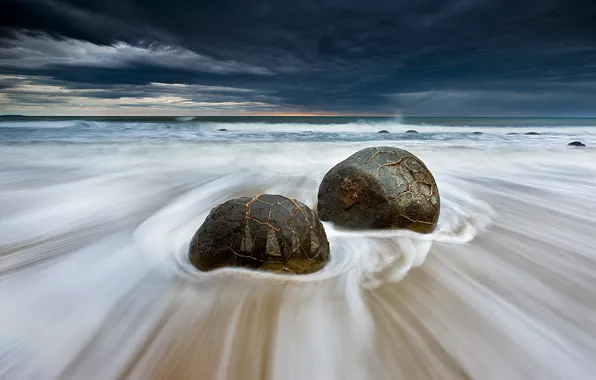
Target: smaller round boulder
column 513, row 133
column 267, row 232
column 411, row 131
column 383, row 131
column 222, row 130
column 576, row 143
column 476, row 133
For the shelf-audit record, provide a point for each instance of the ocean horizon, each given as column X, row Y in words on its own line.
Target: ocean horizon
column 333, row 119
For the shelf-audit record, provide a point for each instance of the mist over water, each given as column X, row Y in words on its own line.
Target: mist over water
column 96, row 217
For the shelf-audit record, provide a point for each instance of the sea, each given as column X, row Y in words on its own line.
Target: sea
column 96, row 214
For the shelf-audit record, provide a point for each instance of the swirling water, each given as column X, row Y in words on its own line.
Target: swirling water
column 96, row 217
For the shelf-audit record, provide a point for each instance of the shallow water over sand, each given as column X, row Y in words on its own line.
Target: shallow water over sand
column 95, row 283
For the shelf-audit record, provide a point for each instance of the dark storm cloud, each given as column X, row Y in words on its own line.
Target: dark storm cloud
column 425, row 57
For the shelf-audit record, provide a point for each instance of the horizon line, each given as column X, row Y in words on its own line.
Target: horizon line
column 312, row 115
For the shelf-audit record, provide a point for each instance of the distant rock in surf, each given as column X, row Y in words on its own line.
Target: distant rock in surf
column 380, row 188
column 532, row 133
column 513, row 133
column 268, row 232
column 222, row 130
column 411, row 131
column 477, row 133
column 383, row 131
column 576, row 143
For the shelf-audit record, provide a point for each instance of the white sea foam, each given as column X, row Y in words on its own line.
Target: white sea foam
column 39, row 124
column 95, row 282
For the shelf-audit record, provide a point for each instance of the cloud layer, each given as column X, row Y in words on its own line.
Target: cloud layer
column 430, row 57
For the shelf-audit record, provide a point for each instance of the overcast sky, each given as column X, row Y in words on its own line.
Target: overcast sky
column 373, row 57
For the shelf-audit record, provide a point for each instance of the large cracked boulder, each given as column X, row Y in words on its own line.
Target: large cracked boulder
column 267, row 232
column 380, row 188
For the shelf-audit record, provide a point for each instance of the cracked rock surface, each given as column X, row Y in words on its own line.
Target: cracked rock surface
column 267, row 232
column 380, row 188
